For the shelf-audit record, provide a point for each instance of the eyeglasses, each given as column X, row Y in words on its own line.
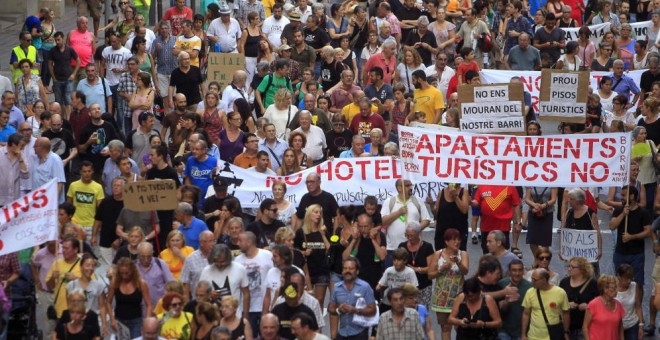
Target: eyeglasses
column 175, row 305
column 253, row 141
column 570, row 266
column 25, row 130
column 337, row 124
column 544, row 258
column 310, row 182
column 123, row 3
column 410, row 235
column 607, row 49
column 273, row 209
column 28, row 40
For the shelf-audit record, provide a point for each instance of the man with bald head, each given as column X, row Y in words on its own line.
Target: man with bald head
column 319, row 117
column 237, row 89
column 196, row 261
column 257, row 263
column 186, row 79
column 269, row 327
column 171, row 122
column 555, row 304
column 47, row 166
column 94, row 138
column 316, row 195
column 150, row 329
column 153, row 270
column 61, row 140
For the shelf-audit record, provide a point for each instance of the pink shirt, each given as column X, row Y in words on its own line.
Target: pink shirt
column 82, row 44
column 587, row 54
column 176, row 17
column 605, row 323
column 388, row 67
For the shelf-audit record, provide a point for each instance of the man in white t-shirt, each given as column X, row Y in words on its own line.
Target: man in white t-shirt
column 257, row 263
column 227, row 278
column 274, row 24
column 397, row 211
column 113, row 64
column 225, row 31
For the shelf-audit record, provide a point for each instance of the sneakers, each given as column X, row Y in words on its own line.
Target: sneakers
column 475, row 240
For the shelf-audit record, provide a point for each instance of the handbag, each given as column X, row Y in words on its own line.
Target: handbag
column 538, row 199
column 51, row 312
column 556, row 332
column 365, row 321
column 654, row 158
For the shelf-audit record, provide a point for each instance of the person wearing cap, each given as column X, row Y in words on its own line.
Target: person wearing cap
column 290, row 28
column 295, row 74
column 213, row 203
column 225, row 31
column 246, row 7
column 292, row 290
column 273, row 25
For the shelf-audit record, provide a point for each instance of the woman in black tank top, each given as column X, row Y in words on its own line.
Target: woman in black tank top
column 451, row 211
column 128, row 291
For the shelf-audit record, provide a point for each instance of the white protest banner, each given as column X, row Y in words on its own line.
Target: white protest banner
column 532, row 81
column 350, row 180
column 30, row 220
column 597, row 32
column 579, row 243
column 641, row 30
column 432, row 126
column 553, row 161
column 491, row 108
column 560, row 98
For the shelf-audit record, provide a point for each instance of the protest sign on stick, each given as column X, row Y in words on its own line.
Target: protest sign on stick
column 563, row 96
column 495, row 108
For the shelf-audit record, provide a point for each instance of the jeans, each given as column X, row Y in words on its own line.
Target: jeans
column 115, row 106
column 505, row 336
column 5, row 324
column 631, row 333
column 62, row 90
column 650, row 193
column 255, row 320
column 45, row 75
column 133, row 326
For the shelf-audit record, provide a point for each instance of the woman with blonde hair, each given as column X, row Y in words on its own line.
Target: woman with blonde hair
column 649, row 112
column 285, row 209
column 265, row 52
column 130, row 249
column 240, row 327
column 412, row 62
column 285, row 236
column 176, row 252
column 604, row 315
column 127, row 290
column 580, row 287
column 76, row 325
column 208, row 316
column 281, row 112
column 312, row 241
column 290, row 164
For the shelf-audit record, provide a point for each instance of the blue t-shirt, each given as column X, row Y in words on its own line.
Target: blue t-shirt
column 30, row 23
column 201, row 173
column 191, row 232
column 6, row 132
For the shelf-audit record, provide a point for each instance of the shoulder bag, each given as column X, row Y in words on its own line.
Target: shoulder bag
column 51, row 312
column 556, row 332
column 654, row 157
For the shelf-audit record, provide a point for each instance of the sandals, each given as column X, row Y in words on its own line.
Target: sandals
column 517, row 252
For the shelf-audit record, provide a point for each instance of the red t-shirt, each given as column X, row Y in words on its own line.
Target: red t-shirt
column 362, row 126
column 497, row 204
column 463, row 68
column 176, row 17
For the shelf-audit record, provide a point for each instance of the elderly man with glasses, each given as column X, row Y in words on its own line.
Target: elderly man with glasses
column 153, row 270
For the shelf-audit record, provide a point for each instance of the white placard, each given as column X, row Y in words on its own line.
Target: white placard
column 579, row 243
column 491, row 93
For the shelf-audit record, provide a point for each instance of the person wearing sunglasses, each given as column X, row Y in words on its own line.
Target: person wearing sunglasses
column 23, row 51
column 175, row 322
column 542, row 257
column 267, row 224
column 581, row 287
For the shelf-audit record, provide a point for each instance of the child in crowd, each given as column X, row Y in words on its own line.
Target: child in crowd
column 594, row 113
column 395, row 276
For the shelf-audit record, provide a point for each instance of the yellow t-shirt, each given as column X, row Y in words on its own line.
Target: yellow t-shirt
column 176, row 328
column 174, row 262
column 188, row 45
column 452, row 7
column 268, row 6
column 85, row 198
column 351, row 110
column 62, row 267
column 554, row 301
column 429, row 101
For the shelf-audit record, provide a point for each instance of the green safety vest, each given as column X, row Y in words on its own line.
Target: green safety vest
column 20, row 55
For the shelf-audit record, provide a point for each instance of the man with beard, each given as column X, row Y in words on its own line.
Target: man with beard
column 427, row 99
column 61, row 140
column 274, row 25
column 264, row 229
column 257, row 263
column 343, row 303
column 228, row 278
column 94, row 138
column 293, row 290
column 172, row 121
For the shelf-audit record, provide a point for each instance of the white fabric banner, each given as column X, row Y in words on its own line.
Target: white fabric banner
column 30, row 220
column 350, row 180
column 579, row 243
column 554, row 161
column 532, row 81
column 641, row 30
column 597, row 32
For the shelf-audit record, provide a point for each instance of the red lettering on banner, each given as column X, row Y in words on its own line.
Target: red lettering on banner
column 587, row 172
column 338, row 172
column 605, row 170
column 549, row 168
column 363, row 168
column 459, row 144
column 425, row 143
column 527, row 176
column 513, row 147
column 479, row 142
column 607, row 144
column 325, row 171
column 383, row 168
column 39, row 200
column 294, row 179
